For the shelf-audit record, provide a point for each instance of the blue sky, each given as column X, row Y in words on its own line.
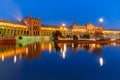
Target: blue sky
column 56, row 12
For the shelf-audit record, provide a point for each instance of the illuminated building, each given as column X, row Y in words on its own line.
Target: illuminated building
column 9, row 28
column 89, row 28
column 34, row 25
column 30, row 26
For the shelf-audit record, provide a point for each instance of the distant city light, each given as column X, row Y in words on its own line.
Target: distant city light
column 101, row 61
column 101, row 20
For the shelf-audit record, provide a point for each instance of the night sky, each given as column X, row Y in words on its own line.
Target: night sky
column 56, row 12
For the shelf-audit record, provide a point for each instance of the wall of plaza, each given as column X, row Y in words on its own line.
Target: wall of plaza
column 80, row 30
column 34, row 25
column 49, row 30
column 30, row 26
column 111, row 33
column 27, row 27
column 73, row 30
column 9, row 29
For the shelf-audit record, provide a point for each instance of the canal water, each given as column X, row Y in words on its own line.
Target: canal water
column 46, row 60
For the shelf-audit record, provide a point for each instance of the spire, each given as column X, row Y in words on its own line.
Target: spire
column 30, row 15
column 74, row 23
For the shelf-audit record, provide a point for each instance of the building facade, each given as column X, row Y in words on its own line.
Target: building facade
column 34, row 25
column 86, row 29
column 10, row 29
column 30, row 26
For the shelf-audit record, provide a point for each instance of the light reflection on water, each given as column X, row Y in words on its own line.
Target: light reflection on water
column 60, row 54
column 34, row 50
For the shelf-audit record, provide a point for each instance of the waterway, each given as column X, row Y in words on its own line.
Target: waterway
column 46, row 60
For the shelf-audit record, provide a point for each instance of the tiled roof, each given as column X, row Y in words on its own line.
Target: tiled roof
column 12, row 21
column 53, row 26
column 112, row 29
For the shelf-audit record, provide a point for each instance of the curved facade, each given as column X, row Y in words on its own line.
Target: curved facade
column 30, row 26
column 9, row 29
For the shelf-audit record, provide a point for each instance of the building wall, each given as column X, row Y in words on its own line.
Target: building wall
column 8, row 30
column 48, row 31
column 34, row 25
column 89, row 28
column 111, row 33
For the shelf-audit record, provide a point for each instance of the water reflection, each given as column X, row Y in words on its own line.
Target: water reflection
column 95, row 49
column 60, row 60
column 101, row 61
column 34, row 50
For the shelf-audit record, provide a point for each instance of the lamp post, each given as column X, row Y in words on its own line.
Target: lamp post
column 14, row 31
column 64, row 24
column 2, row 32
column 100, row 26
column 63, row 30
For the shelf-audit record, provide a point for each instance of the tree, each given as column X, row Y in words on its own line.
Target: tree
column 57, row 34
column 75, row 37
column 86, row 36
column 98, row 34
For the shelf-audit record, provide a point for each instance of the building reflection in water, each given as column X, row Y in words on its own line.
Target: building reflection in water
column 94, row 49
column 28, row 51
column 3, row 57
column 11, row 50
column 34, row 50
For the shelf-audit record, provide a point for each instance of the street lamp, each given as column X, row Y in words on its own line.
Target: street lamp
column 14, row 30
column 2, row 32
column 63, row 24
column 101, row 20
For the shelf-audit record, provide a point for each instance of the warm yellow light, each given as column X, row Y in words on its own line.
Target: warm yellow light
column 26, row 51
column 50, row 47
column 65, row 28
column 3, row 57
column 14, row 26
column 49, row 28
column 61, row 28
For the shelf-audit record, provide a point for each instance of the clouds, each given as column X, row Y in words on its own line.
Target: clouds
column 9, row 9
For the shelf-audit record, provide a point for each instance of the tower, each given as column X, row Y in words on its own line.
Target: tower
column 34, row 25
column 74, row 24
